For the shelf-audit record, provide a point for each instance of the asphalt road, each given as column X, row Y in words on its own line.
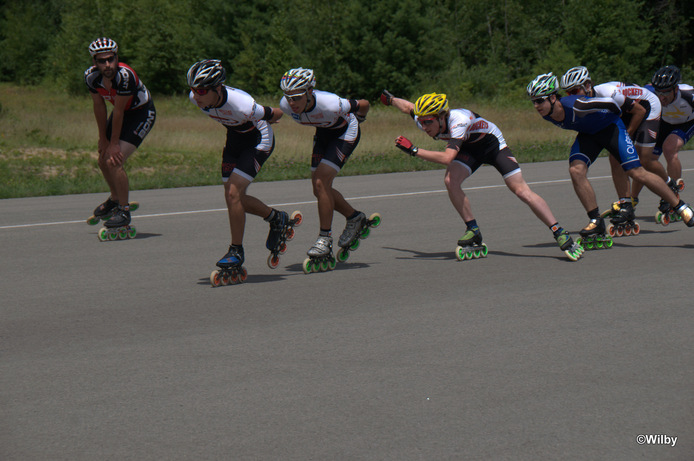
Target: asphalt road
column 123, row 350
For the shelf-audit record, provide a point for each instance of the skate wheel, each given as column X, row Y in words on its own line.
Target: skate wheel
column 459, row 253
column 93, row 221
column 132, row 233
column 611, row 229
column 484, row 251
column 283, row 248
column 343, row 255
column 134, row 206
column 354, row 245
column 619, row 232
column 273, row 261
column 112, row 235
column 103, row 234
column 289, row 235
column 375, row 220
column 324, row 265
column 297, row 217
column 307, row 266
column 123, row 234
column 627, row 230
column 332, row 263
column 215, row 280
column 364, row 233
column 636, row 229
column 242, row 275
column 607, row 243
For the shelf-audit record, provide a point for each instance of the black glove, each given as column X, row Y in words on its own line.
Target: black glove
column 406, row 146
column 386, row 98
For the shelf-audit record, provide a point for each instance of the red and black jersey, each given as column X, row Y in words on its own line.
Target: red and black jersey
column 125, row 83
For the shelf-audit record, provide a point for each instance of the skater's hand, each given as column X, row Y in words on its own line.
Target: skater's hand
column 386, row 98
column 406, row 146
column 115, row 156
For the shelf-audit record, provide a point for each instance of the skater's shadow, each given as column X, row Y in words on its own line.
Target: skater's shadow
column 139, row 236
column 251, row 279
column 339, row 267
column 414, row 254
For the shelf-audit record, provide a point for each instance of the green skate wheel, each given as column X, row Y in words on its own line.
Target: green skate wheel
column 476, row 253
column 134, row 206
column 103, row 234
column 123, row 234
column 364, row 233
column 332, row 263
column 375, row 220
column 459, row 253
column 343, row 255
column 307, row 266
column 354, row 245
column 132, row 233
column 112, row 235
column 608, row 243
column 324, row 265
column 93, row 221
column 484, row 251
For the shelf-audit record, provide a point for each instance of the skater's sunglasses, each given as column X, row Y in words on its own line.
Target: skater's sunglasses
column 109, row 60
column 573, row 91
column 664, row 92
column 426, row 121
column 201, row 91
column 294, row 97
column 538, row 101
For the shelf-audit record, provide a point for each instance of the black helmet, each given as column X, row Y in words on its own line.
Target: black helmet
column 666, row 78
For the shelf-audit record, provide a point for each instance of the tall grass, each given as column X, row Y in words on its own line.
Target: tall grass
column 48, row 144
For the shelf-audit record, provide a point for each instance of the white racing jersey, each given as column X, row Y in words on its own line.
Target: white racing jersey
column 241, row 113
column 329, row 112
column 466, row 127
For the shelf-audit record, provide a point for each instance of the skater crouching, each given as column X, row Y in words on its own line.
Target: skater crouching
column 472, row 141
column 249, row 143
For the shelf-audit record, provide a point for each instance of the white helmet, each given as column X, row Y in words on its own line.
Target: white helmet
column 103, row 45
column 543, row 86
column 208, row 73
column 298, row 79
column 576, row 76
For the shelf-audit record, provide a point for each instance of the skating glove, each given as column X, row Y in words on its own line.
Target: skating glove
column 406, row 146
column 386, row 98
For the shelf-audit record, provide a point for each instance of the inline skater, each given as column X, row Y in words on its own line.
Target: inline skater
column 249, row 142
column 677, row 118
column 471, row 141
column 641, row 116
column 337, row 134
column 121, row 132
column 599, row 127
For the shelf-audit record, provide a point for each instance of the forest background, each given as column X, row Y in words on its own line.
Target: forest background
column 482, row 54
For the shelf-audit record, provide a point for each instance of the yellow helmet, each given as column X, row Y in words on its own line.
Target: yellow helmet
column 430, row 104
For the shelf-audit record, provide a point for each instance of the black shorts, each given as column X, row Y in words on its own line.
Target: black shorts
column 330, row 149
column 242, row 156
column 684, row 130
column 137, row 124
column 486, row 150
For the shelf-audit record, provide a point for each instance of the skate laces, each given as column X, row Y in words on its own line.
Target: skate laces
column 323, row 243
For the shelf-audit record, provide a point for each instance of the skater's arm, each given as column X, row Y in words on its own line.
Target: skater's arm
column 113, row 149
column 444, row 158
column 100, row 114
column 638, row 114
column 403, row 105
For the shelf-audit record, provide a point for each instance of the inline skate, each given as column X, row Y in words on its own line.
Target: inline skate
column 470, row 245
column 666, row 214
column 573, row 250
column 281, row 231
column 231, row 270
column 356, row 229
column 593, row 236
column 622, row 221
column 118, row 227
column 320, row 256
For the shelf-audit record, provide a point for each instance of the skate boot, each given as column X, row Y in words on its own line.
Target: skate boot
column 616, row 206
column 573, row 250
column 118, row 226
column 622, row 222
column 470, row 245
column 320, row 256
column 685, row 212
column 103, row 212
column 231, row 270
column 356, row 229
column 593, row 236
column 281, row 231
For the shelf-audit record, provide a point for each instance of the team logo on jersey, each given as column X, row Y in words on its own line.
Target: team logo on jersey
column 630, row 92
column 479, row 125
